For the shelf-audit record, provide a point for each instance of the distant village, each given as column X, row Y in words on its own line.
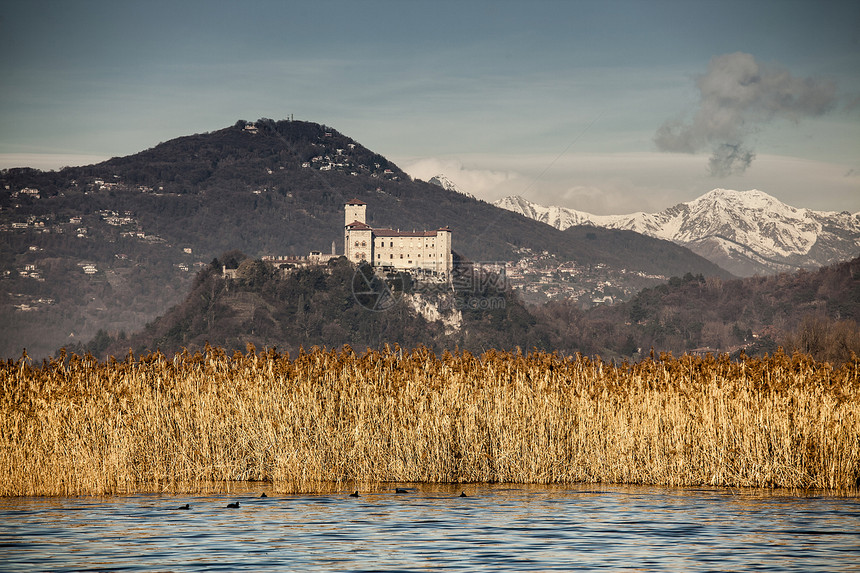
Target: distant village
column 79, row 227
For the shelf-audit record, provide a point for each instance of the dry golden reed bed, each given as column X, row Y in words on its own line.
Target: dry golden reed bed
column 328, row 418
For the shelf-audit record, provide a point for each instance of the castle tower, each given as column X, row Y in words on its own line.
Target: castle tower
column 356, row 231
column 355, row 210
column 444, row 259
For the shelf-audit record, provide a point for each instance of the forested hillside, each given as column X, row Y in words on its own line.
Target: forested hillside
column 329, row 306
column 815, row 313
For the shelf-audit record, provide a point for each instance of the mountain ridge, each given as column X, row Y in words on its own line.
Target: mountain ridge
column 445, row 183
column 745, row 232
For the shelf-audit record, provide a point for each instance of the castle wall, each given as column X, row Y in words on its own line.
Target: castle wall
column 359, row 245
column 418, row 250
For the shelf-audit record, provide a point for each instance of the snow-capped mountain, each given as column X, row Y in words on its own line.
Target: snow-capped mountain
column 558, row 217
column 446, row 183
column 745, row 232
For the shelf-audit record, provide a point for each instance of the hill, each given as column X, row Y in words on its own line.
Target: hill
column 331, row 305
column 114, row 245
column 338, row 304
column 812, row 312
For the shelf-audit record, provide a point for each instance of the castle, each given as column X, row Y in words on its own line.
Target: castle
column 422, row 252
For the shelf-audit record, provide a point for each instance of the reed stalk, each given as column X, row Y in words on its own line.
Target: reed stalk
column 325, row 419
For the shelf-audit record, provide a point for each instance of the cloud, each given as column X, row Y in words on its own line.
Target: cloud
column 622, row 183
column 478, row 182
column 853, row 103
column 729, row 159
column 738, row 97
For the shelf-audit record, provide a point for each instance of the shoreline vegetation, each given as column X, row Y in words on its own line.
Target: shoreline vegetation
column 325, row 418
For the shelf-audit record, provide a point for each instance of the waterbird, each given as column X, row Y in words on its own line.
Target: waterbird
column 354, row 494
column 233, row 505
column 263, row 495
column 463, row 494
column 186, row 506
column 401, row 490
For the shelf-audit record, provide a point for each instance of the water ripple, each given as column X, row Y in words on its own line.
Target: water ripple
column 495, row 528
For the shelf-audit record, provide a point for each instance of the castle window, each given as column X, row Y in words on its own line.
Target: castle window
column 391, row 244
column 392, row 256
column 401, row 255
column 364, row 243
column 356, row 243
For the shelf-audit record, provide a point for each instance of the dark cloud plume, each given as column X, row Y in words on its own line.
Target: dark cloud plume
column 738, row 96
column 729, row 159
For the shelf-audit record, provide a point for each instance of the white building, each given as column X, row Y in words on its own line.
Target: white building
column 417, row 251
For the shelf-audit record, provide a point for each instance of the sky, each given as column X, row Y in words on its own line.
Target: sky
column 608, row 107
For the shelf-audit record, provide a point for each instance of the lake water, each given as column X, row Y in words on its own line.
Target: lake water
column 495, row 528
